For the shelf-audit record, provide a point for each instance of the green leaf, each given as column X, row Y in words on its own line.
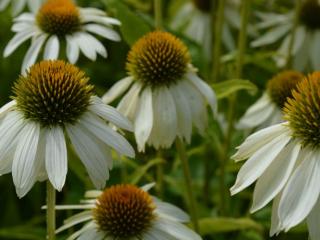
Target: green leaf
column 132, row 26
column 222, row 224
column 226, row 88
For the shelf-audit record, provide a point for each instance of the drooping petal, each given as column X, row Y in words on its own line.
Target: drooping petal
column 301, row 193
column 129, row 103
column 51, row 50
column 56, row 157
column 73, row 50
column 171, row 212
column 313, row 221
column 117, row 89
column 256, row 165
column 105, row 32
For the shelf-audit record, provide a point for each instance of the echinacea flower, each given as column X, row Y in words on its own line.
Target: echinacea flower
column 166, row 96
column 128, row 212
column 284, row 159
column 195, row 19
column 52, row 101
column 268, row 108
column 18, row 5
column 58, row 20
column 305, row 51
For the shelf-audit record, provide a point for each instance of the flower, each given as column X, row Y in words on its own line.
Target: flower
column 284, row 159
column 57, row 20
column 18, row 6
column 54, row 100
column 111, row 215
column 307, row 35
column 166, row 96
column 268, row 109
column 195, row 20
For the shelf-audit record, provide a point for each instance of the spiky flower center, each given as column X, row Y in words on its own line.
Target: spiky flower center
column 203, row 5
column 158, row 58
column 53, row 93
column 280, row 86
column 303, row 110
column 59, row 17
column 310, row 14
column 124, row 212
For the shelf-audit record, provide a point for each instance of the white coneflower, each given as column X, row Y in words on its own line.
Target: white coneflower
column 268, row 109
column 284, row 159
column 54, row 100
column 58, row 20
column 306, row 40
column 18, row 5
column 166, row 96
column 128, row 212
column 195, row 19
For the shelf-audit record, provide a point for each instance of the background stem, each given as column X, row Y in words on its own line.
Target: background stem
column 158, row 14
column 51, row 214
column 188, row 181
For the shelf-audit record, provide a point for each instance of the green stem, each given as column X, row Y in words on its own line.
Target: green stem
column 217, row 18
column 188, row 181
column 160, row 175
column 51, row 214
column 158, row 14
column 242, row 42
column 293, row 34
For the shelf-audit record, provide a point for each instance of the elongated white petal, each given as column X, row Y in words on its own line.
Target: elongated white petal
column 92, row 11
column 205, row 90
column 56, row 157
column 301, row 193
column 275, row 227
column 117, row 89
column 88, row 226
column 105, row 32
column 89, row 46
column 4, row 4
column 272, row 35
column 110, row 114
column 164, row 129
column 129, row 103
column 17, row 40
column 24, row 159
column 258, row 140
column 18, row 6
column 313, row 221
column 73, row 50
column 258, row 163
column 74, row 220
column 100, row 19
column 171, row 212
column 25, row 17
column 275, row 177
column 33, row 52
column 258, row 113
column 7, row 107
column 91, row 234
column 110, row 137
column 91, row 152
column 176, row 230
column 184, row 117
column 51, row 50
column 144, row 119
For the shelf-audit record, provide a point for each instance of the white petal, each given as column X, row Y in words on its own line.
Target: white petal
column 313, row 221
column 92, row 154
column 258, row 162
column 110, row 114
column 184, row 117
column 259, row 112
column 25, row 17
column 73, row 50
column 7, row 107
column 4, row 4
column 33, row 52
column 92, row 11
column 301, row 192
column 164, row 129
column 144, row 119
column 74, row 220
column 24, row 159
column 176, row 230
column 100, row 19
column 91, row 234
column 56, row 157
column 275, row 227
column 171, row 212
column 117, row 89
column 205, row 90
column 129, row 103
column 51, row 50
column 18, row 6
column 105, row 32
column 257, row 140
column 275, row 177
column 17, row 40
column 89, row 45
column 272, row 35
column 110, row 137
column 315, row 50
